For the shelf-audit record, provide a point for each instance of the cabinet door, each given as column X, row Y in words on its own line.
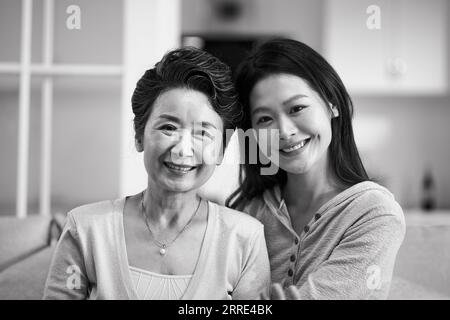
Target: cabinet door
column 388, row 46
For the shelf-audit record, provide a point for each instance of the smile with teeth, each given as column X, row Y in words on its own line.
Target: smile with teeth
column 179, row 168
column 297, row 146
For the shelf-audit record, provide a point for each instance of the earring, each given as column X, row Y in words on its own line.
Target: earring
column 334, row 110
column 138, row 145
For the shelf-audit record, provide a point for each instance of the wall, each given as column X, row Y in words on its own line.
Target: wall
column 419, row 138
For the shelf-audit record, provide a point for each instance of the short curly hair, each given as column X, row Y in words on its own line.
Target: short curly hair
column 191, row 68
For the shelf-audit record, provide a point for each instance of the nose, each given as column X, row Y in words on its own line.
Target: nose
column 287, row 128
column 184, row 146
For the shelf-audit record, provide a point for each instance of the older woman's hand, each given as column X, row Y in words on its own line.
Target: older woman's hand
column 277, row 293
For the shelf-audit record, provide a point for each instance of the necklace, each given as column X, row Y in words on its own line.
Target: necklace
column 163, row 247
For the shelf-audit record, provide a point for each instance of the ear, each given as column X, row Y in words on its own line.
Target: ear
column 219, row 159
column 138, row 145
column 334, row 110
column 220, row 155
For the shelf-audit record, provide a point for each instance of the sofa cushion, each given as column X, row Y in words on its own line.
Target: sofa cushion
column 424, row 257
column 21, row 237
column 402, row 289
column 26, row 279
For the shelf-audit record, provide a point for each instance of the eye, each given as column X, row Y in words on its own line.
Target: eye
column 263, row 120
column 207, row 134
column 168, row 127
column 296, row 109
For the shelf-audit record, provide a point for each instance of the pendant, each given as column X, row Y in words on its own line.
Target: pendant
column 162, row 251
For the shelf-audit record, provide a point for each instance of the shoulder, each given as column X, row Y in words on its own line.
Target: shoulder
column 369, row 203
column 372, row 197
column 237, row 222
column 93, row 213
column 253, row 206
column 257, row 206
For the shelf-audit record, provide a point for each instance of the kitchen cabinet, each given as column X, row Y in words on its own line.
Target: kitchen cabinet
column 390, row 47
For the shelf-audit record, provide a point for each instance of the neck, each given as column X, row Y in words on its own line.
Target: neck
column 310, row 190
column 169, row 209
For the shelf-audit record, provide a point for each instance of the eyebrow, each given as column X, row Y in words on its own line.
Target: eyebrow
column 260, row 109
column 208, row 124
column 170, row 118
column 293, row 98
column 175, row 119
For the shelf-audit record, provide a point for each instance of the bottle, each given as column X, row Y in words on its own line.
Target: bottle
column 428, row 202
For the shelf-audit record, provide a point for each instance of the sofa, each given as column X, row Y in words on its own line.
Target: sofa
column 26, row 248
column 422, row 269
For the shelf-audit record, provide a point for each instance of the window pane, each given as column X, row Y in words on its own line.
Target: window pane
column 9, row 144
column 9, row 107
column 36, row 42
column 86, row 141
column 10, row 21
column 99, row 39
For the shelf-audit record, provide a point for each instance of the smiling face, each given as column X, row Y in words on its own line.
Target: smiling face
column 182, row 140
column 300, row 118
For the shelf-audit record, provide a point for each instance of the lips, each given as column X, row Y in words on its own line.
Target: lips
column 295, row 146
column 179, row 168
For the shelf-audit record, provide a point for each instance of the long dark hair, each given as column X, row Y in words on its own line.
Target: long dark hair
column 285, row 56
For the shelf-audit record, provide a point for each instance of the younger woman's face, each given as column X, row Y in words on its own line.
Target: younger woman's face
column 299, row 119
column 182, row 140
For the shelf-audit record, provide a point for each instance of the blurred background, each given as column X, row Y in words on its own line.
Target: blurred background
column 65, row 86
column 68, row 69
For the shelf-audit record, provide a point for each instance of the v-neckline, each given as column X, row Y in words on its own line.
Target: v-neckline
column 282, row 207
column 198, row 270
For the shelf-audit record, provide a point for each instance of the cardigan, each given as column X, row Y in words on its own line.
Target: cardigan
column 346, row 251
column 90, row 259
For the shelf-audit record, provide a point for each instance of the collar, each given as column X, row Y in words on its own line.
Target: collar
column 277, row 207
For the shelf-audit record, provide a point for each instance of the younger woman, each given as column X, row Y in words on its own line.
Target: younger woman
column 331, row 232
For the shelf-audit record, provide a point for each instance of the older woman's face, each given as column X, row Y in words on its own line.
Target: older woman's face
column 182, row 140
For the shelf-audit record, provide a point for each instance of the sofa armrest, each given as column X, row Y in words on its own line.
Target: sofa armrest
column 26, row 279
column 56, row 227
column 20, row 238
column 402, row 289
column 424, row 257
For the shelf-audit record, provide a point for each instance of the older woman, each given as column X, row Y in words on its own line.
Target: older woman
column 166, row 242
